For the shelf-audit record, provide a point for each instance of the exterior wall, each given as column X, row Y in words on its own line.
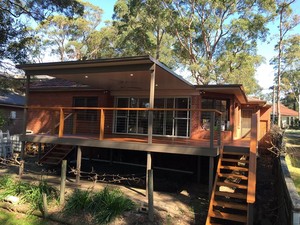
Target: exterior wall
column 265, row 121
column 14, row 126
column 45, row 120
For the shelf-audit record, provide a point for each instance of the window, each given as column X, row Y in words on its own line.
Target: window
column 87, row 115
column 218, row 104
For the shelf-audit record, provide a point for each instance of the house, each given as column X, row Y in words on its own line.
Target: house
column 134, row 105
column 288, row 116
column 12, row 109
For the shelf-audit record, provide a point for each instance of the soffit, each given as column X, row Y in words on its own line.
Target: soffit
column 131, row 73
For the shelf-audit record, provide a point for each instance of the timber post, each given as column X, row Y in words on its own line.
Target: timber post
column 63, row 182
column 78, row 164
column 150, row 196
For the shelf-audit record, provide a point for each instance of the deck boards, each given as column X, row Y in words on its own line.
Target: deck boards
column 137, row 143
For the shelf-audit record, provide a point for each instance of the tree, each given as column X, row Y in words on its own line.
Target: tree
column 214, row 38
column 287, row 21
column 15, row 16
column 291, row 72
column 143, row 29
column 68, row 37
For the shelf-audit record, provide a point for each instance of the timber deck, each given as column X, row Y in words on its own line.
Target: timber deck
column 171, row 145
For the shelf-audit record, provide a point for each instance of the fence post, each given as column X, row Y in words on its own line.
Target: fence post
column 63, row 182
column 45, row 205
column 21, row 169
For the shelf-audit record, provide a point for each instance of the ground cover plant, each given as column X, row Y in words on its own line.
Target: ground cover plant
column 104, row 206
column 30, row 193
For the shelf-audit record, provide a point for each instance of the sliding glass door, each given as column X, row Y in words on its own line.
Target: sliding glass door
column 165, row 123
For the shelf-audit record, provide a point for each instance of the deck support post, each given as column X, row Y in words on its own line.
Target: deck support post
column 150, row 196
column 250, row 214
column 198, row 169
column 210, row 174
column 39, row 151
column 148, row 167
column 78, row 164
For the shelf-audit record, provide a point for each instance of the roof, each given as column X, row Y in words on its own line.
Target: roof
column 257, row 101
column 285, row 111
column 235, row 89
column 55, row 83
column 127, row 73
column 12, row 99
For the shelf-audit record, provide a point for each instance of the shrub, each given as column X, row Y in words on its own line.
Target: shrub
column 27, row 192
column 104, row 206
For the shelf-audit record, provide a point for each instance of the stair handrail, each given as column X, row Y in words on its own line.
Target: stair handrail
column 253, row 158
column 57, row 125
column 212, row 194
column 48, row 152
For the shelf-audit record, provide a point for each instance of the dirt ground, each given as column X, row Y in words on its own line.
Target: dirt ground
column 188, row 205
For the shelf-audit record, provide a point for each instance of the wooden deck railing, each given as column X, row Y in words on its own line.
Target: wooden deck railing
column 252, row 158
column 72, row 113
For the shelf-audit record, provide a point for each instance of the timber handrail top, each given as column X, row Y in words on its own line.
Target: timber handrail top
column 115, row 108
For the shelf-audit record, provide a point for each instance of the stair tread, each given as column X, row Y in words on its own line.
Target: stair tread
column 231, row 205
column 232, row 195
column 234, row 168
column 235, row 160
column 232, row 184
column 235, row 153
column 232, row 175
column 228, row 216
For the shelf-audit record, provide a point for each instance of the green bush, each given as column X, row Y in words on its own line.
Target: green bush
column 27, row 192
column 104, row 206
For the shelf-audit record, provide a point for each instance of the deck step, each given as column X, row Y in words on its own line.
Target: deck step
column 55, row 155
column 234, row 168
column 230, row 184
column 231, row 195
column 235, row 160
column 236, row 153
column 230, row 205
column 228, row 216
column 233, row 175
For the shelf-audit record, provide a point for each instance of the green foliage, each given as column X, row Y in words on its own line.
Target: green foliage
column 15, row 16
column 220, row 38
column 28, row 193
column 104, row 206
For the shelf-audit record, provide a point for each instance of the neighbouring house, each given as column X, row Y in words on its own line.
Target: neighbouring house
column 12, row 109
column 135, row 110
column 288, row 116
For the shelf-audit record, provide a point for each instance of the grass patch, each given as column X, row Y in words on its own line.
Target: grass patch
column 295, row 173
column 9, row 218
column 27, row 192
column 104, row 206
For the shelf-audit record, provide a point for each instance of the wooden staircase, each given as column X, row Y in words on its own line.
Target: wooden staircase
column 228, row 204
column 56, row 154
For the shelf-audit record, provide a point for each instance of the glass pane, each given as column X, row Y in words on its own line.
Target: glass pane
column 181, row 103
column 158, row 117
column 132, row 124
column 169, row 123
column 121, row 125
column 181, row 127
column 122, row 103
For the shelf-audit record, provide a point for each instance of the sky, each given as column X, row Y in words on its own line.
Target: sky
column 264, row 73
